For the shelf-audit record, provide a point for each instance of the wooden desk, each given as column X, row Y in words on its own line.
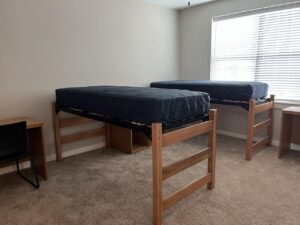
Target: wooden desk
column 290, row 129
column 35, row 142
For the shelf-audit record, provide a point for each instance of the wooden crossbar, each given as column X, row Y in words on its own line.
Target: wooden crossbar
column 82, row 135
column 262, row 125
column 183, row 164
column 263, row 107
column 70, row 122
column 186, row 133
column 261, row 143
column 179, row 195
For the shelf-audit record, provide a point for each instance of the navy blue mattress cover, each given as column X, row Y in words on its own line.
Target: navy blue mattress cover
column 220, row 90
column 137, row 104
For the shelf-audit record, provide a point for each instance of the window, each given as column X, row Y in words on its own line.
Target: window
column 261, row 45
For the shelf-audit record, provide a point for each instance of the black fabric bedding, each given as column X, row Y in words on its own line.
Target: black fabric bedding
column 220, row 90
column 136, row 104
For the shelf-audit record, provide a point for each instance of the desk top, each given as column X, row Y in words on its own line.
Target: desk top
column 295, row 110
column 30, row 122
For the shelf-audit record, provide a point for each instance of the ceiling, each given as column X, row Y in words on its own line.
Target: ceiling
column 178, row 4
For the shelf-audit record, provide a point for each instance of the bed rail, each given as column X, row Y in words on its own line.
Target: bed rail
column 254, row 128
column 160, row 173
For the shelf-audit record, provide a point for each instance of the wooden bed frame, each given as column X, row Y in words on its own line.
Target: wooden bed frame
column 159, row 140
column 254, row 128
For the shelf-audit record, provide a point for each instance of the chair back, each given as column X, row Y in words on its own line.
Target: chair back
column 13, row 139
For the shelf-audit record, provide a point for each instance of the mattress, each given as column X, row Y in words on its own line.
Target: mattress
column 220, row 90
column 137, row 104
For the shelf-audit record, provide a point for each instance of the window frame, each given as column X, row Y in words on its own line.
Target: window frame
column 248, row 13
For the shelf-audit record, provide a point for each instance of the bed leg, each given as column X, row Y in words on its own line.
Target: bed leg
column 157, row 173
column 56, row 133
column 212, row 147
column 271, row 115
column 250, row 131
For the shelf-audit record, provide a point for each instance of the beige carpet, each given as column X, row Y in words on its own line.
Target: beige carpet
column 108, row 187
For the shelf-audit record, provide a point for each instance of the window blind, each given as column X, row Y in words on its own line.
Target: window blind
column 262, row 46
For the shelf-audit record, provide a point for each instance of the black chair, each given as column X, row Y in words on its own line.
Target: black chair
column 13, row 147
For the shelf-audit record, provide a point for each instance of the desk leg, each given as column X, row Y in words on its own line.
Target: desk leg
column 285, row 134
column 37, row 147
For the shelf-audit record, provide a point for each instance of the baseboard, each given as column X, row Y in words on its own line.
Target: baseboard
column 52, row 157
column 295, row 147
column 13, row 168
column 78, row 151
column 232, row 134
column 10, row 169
column 244, row 137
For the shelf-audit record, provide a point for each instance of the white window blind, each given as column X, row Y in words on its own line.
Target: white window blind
column 262, row 46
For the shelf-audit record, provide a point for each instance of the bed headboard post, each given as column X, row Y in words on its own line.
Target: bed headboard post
column 212, row 146
column 250, row 131
column 271, row 117
column 57, row 134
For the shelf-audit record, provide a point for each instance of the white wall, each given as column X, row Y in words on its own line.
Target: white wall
column 195, row 42
column 49, row 44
